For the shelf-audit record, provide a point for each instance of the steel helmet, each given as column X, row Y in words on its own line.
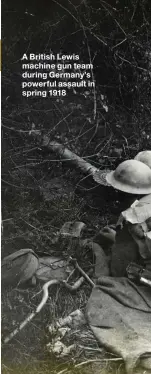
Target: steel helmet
column 145, row 157
column 131, row 176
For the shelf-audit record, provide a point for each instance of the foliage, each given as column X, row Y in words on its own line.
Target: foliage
column 109, row 125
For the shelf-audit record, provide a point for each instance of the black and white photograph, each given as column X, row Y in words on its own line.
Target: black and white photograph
column 76, row 187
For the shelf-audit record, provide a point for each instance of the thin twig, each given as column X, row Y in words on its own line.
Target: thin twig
column 14, row 185
column 67, row 10
column 45, row 288
column 134, row 11
column 13, row 129
column 98, row 360
column 91, row 349
column 115, row 20
column 94, row 91
column 98, row 38
column 75, row 263
column 62, row 371
column 58, row 123
column 130, row 63
column 33, row 314
column 117, row 45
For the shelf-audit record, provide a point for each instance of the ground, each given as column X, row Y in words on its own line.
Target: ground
column 38, row 198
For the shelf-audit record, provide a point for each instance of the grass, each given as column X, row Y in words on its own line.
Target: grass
column 27, row 352
column 34, row 221
column 39, row 195
column 37, row 200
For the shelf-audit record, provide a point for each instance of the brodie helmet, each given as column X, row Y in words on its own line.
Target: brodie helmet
column 131, row 176
column 145, row 157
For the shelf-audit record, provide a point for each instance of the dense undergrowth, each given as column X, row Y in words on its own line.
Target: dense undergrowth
column 106, row 126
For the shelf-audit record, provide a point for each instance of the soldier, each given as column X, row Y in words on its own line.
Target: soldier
column 119, row 309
